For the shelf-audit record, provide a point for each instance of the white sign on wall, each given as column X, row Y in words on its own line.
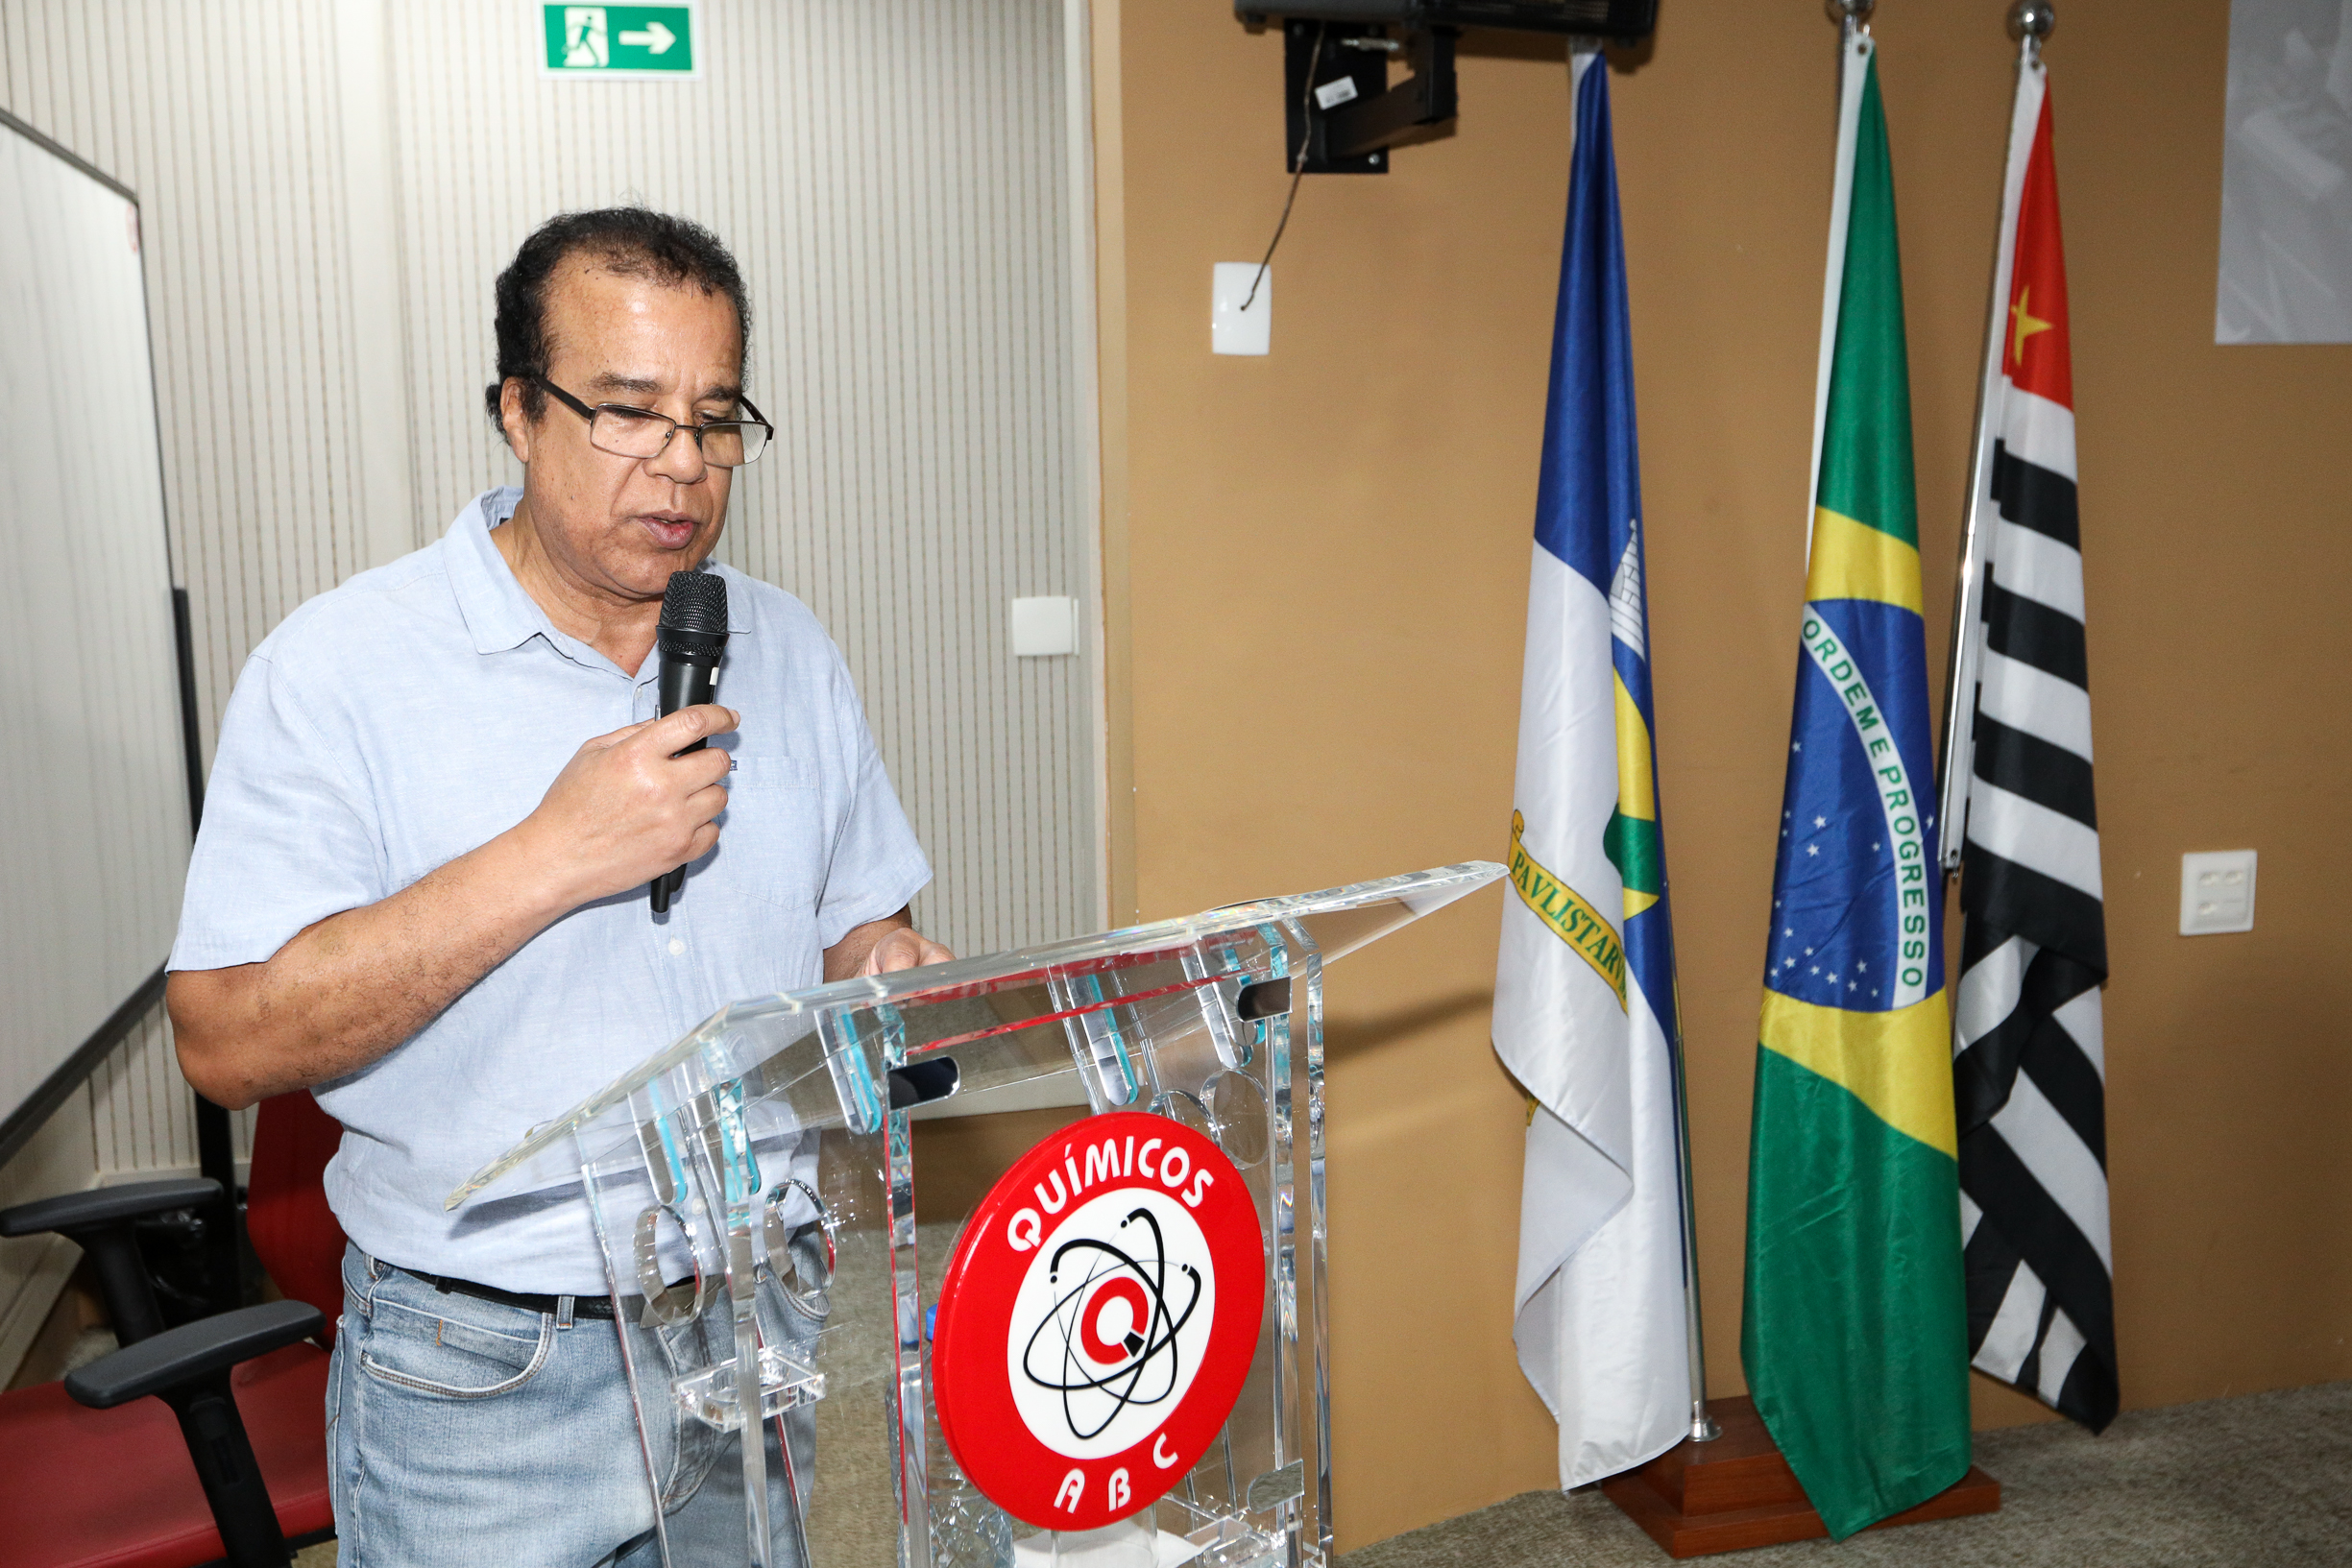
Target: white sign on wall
column 2286, row 175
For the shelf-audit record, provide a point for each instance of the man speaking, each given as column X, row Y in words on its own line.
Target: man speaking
column 421, row 889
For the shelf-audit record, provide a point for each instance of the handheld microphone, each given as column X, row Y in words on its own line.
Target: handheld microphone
column 691, row 635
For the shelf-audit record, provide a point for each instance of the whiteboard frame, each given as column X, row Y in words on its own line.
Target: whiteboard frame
column 22, row 1121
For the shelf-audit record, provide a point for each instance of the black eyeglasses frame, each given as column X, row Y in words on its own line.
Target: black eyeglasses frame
column 589, row 412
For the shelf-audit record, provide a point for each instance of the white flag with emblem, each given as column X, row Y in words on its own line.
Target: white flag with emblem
column 1584, row 989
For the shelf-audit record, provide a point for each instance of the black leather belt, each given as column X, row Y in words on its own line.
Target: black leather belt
column 582, row 1306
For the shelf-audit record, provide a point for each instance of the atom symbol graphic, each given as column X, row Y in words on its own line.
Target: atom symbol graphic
column 1096, row 1362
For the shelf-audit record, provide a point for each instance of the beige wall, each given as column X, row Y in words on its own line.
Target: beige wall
column 1321, row 557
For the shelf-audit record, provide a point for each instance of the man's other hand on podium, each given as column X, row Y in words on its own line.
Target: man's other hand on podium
column 880, row 946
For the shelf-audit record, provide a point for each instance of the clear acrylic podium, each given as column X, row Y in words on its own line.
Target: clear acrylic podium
column 754, row 1189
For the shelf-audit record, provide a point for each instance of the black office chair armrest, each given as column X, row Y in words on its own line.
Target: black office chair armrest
column 177, row 1357
column 103, row 1220
column 106, row 1205
column 189, row 1369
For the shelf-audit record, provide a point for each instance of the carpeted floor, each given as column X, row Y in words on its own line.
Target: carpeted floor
column 2264, row 1481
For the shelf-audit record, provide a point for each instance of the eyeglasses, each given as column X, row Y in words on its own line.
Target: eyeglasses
column 640, row 433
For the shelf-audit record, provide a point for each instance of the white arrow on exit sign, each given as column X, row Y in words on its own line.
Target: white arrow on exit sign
column 654, row 39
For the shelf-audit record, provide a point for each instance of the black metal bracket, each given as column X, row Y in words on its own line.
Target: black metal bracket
column 1343, row 120
column 1343, row 110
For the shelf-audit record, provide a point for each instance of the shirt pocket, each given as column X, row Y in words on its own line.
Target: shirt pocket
column 774, row 841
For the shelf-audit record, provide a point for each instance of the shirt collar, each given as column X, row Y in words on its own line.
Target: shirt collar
column 497, row 612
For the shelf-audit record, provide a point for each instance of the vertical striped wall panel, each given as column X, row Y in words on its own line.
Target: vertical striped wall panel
column 894, row 176
column 143, row 1111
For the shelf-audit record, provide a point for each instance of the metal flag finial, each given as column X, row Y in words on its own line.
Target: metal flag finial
column 2032, row 20
column 1857, row 11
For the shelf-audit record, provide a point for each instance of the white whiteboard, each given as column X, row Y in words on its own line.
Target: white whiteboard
column 94, row 829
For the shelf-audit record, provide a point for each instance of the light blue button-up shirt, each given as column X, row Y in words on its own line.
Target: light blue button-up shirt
column 423, row 708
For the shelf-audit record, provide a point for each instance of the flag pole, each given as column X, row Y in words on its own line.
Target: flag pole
column 2030, row 22
column 1703, row 1427
column 1852, row 15
column 1852, row 18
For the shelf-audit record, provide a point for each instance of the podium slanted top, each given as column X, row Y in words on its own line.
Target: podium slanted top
column 740, row 1037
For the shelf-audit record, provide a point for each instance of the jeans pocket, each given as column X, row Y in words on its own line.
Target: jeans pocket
column 804, row 1291
column 433, row 1353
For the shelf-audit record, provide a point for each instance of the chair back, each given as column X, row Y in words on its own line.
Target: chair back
column 293, row 1231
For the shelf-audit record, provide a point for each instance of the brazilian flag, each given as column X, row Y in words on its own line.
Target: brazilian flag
column 1855, row 1335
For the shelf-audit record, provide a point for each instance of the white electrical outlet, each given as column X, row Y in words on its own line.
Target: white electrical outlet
column 2217, row 892
column 1233, row 330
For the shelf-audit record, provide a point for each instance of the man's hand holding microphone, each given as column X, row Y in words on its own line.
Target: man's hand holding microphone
column 632, row 805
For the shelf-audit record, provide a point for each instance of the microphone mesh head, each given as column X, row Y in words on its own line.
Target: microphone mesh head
column 696, row 601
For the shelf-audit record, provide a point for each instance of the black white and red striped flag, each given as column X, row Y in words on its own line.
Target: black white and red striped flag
column 2028, row 1066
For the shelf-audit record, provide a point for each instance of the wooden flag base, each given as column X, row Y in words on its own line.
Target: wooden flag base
column 1736, row 1492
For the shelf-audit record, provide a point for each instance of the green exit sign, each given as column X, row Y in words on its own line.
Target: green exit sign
column 625, row 42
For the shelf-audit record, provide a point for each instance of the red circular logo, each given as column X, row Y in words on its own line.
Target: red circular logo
column 1098, row 1319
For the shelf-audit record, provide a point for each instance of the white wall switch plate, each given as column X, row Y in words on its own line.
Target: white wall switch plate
column 1042, row 628
column 1233, row 330
column 2217, row 892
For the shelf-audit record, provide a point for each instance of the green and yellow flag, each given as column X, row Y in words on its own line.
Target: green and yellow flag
column 1854, row 1335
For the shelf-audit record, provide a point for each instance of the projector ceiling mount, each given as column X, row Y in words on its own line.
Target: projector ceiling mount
column 1335, row 55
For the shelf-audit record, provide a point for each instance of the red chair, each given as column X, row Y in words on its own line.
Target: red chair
column 286, row 1217
column 228, row 1459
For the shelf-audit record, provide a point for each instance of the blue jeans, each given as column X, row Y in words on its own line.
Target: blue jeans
column 463, row 1431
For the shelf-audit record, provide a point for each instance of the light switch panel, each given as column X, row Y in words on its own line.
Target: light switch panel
column 2217, row 892
column 1043, row 628
column 1233, row 330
